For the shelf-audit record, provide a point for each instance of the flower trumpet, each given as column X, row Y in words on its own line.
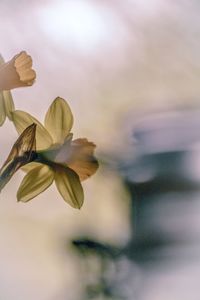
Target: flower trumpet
column 17, row 72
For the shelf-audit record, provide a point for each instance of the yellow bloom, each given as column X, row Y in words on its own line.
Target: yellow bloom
column 15, row 73
column 58, row 157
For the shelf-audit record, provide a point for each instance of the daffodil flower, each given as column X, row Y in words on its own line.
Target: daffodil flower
column 17, row 72
column 58, row 158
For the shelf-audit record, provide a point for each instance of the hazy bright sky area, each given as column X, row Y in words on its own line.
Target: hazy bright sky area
column 112, row 60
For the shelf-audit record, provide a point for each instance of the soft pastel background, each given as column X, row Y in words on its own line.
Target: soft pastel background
column 112, row 61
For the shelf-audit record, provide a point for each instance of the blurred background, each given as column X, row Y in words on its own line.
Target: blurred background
column 130, row 73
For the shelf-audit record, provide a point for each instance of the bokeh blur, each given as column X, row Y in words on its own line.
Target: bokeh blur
column 129, row 70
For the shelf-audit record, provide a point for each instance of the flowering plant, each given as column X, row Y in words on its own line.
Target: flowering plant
column 46, row 153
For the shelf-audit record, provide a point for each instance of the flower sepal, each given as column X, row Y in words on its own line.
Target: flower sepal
column 69, row 185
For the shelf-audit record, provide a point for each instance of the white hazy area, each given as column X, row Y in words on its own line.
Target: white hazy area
column 111, row 60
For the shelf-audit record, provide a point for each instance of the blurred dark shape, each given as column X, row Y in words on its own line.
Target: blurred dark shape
column 86, row 246
column 163, row 179
column 105, row 255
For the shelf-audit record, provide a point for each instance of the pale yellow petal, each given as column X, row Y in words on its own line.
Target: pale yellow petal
column 69, row 186
column 22, row 120
column 59, row 120
column 9, row 104
column 82, row 159
column 27, row 168
column 2, row 109
column 34, row 183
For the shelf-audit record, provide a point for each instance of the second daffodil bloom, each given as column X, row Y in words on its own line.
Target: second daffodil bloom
column 58, row 157
column 15, row 73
